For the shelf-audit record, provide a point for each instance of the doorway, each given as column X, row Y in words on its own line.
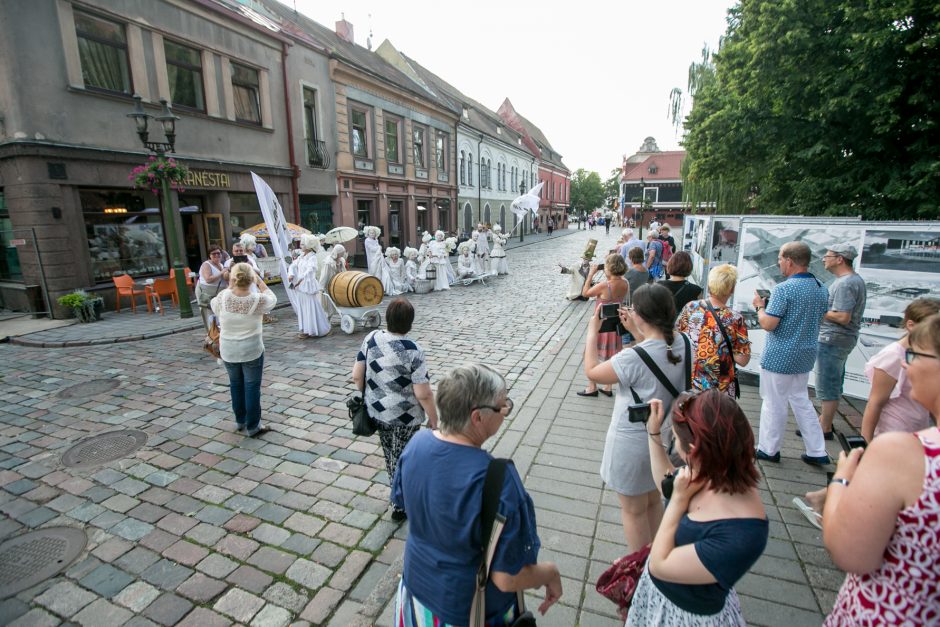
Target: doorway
column 394, row 223
column 194, row 232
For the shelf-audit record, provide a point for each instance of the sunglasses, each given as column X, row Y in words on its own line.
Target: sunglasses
column 508, row 407
column 910, row 355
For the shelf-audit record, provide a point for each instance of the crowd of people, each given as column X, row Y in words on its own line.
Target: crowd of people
column 679, row 451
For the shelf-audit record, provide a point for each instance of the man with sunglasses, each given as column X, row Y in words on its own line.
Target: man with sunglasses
column 839, row 329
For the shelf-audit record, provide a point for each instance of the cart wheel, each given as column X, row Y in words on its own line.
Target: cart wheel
column 347, row 324
column 373, row 319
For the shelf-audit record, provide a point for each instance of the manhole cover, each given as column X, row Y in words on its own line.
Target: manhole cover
column 103, row 448
column 36, row 556
column 90, row 388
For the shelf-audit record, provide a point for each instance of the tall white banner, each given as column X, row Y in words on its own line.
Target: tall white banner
column 273, row 216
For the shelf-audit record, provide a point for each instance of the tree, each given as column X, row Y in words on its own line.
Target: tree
column 587, row 191
column 819, row 107
column 612, row 187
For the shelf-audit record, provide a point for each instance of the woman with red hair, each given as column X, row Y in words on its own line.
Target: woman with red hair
column 714, row 527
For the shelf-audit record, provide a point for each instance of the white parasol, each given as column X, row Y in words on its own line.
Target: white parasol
column 340, row 235
column 527, row 202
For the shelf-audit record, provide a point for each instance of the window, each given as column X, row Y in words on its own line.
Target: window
column 392, row 139
column 359, row 135
column 418, row 140
column 651, row 194
column 245, row 87
column 184, row 70
column 463, row 174
column 440, row 152
column 316, row 149
column 470, row 169
column 102, row 49
column 124, row 233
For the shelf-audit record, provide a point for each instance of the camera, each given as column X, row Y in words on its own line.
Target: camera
column 240, row 259
column 600, row 267
column 851, row 441
column 611, row 310
column 669, row 480
column 764, row 294
column 638, row 412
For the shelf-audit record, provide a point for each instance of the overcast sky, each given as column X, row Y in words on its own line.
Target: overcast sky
column 594, row 75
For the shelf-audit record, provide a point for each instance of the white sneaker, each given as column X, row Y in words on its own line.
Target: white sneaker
column 814, row 517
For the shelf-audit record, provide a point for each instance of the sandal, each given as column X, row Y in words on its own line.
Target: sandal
column 814, row 517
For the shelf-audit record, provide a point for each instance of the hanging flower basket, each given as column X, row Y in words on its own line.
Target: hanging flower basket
column 157, row 169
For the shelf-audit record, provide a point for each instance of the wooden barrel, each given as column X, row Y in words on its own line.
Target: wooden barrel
column 355, row 289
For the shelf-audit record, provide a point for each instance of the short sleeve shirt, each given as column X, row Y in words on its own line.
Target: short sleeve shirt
column 657, row 247
column 394, row 365
column 800, row 302
column 713, row 363
column 847, row 293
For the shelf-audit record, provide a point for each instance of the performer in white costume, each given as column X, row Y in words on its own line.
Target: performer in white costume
column 334, row 264
column 498, row 254
column 302, row 277
column 411, row 268
column 423, row 260
column 474, row 242
column 437, row 253
column 375, row 261
column 451, row 245
column 483, row 248
column 465, row 262
column 394, row 271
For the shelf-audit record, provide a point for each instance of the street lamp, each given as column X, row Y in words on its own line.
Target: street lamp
column 522, row 191
column 168, row 121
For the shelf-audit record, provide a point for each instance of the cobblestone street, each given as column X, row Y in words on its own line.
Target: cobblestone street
column 204, row 527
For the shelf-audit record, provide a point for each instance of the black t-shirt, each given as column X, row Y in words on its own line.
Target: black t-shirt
column 727, row 548
column 683, row 292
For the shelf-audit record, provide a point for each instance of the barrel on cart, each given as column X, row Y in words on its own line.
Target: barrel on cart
column 355, row 289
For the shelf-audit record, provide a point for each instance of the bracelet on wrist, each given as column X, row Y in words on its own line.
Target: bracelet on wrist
column 652, row 434
column 841, row 481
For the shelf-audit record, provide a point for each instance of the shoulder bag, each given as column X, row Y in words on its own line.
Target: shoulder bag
column 491, row 525
column 211, row 343
column 362, row 423
column 724, row 335
column 618, row 583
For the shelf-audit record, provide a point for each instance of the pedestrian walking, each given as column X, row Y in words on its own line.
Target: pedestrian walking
column 654, row 255
column 440, row 483
column 240, row 312
column 550, row 225
column 839, row 329
column 398, row 395
column 791, row 317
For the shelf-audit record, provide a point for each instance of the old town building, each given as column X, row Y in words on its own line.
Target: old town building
column 651, row 185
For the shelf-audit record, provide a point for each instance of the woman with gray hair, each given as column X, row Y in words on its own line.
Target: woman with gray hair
column 440, row 484
column 302, row 278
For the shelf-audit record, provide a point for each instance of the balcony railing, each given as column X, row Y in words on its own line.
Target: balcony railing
column 317, row 156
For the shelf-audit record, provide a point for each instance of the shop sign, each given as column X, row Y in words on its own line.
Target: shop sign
column 17, row 242
column 203, row 178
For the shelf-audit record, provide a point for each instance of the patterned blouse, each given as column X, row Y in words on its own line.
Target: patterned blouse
column 713, row 361
column 394, row 365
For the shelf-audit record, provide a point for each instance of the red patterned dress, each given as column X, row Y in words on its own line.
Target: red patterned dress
column 905, row 590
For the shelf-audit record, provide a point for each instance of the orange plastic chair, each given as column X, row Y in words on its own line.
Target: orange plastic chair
column 159, row 289
column 189, row 279
column 124, row 286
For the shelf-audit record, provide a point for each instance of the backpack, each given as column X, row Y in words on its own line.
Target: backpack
column 667, row 250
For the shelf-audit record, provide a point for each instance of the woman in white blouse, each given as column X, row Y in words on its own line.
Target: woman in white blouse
column 302, row 278
column 240, row 311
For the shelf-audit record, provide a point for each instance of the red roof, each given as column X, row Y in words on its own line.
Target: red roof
column 665, row 165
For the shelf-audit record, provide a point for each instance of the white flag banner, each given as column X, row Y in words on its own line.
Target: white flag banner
column 273, row 216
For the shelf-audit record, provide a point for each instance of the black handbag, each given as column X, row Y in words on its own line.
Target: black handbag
column 362, row 423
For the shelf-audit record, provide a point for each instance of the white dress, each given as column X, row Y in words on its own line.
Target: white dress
column 437, row 253
column 483, row 251
column 465, row 266
column 411, row 275
column 394, row 281
column 311, row 319
column 498, row 254
column 330, row 268
column 423, row 261
column 375, row 260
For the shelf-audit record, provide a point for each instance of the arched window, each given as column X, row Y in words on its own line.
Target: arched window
column 463, row 160
column 486, row 214
column 470, row 169
column 502, row 216
column 467, row 218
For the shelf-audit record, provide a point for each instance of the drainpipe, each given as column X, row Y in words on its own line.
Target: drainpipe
column 295, row 171
column 479, row 181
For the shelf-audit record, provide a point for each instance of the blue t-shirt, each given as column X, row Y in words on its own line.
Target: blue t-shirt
column 440, row 485
column 800, row 302
column 727, row 548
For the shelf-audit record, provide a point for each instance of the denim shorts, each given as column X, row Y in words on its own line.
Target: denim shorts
column 830, row 370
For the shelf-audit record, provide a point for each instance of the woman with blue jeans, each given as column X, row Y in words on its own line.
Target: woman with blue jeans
column 240, row 312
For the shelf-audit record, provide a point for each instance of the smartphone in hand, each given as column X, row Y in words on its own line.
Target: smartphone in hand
column 611, row 310
column 848, row 442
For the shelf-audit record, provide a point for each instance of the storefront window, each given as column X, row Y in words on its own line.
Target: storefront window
column 244, row 213
column 124, row 233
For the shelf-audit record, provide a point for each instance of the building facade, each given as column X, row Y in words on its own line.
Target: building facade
column 651, row 185
column 67, row 147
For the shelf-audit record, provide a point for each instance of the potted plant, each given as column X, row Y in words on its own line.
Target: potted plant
column 87, row 308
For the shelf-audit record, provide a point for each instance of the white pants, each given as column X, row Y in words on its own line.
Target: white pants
column 777, row 391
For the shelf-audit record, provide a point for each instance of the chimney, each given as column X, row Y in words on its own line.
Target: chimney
column 344, row 30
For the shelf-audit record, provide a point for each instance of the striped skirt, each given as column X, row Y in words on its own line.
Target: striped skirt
column 409, row 612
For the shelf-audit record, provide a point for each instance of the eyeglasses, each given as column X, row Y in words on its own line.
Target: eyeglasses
column 508, row 407
column 215, row 254
column 683, row 401
column 910, row 354
column 830, row 256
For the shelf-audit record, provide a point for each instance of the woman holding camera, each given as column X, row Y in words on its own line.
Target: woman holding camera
column 625, row 466
column 715, row 527
column 880, row 517
column 614, row 291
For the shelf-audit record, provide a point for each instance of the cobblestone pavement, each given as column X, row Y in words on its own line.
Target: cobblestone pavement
column 204, row 527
